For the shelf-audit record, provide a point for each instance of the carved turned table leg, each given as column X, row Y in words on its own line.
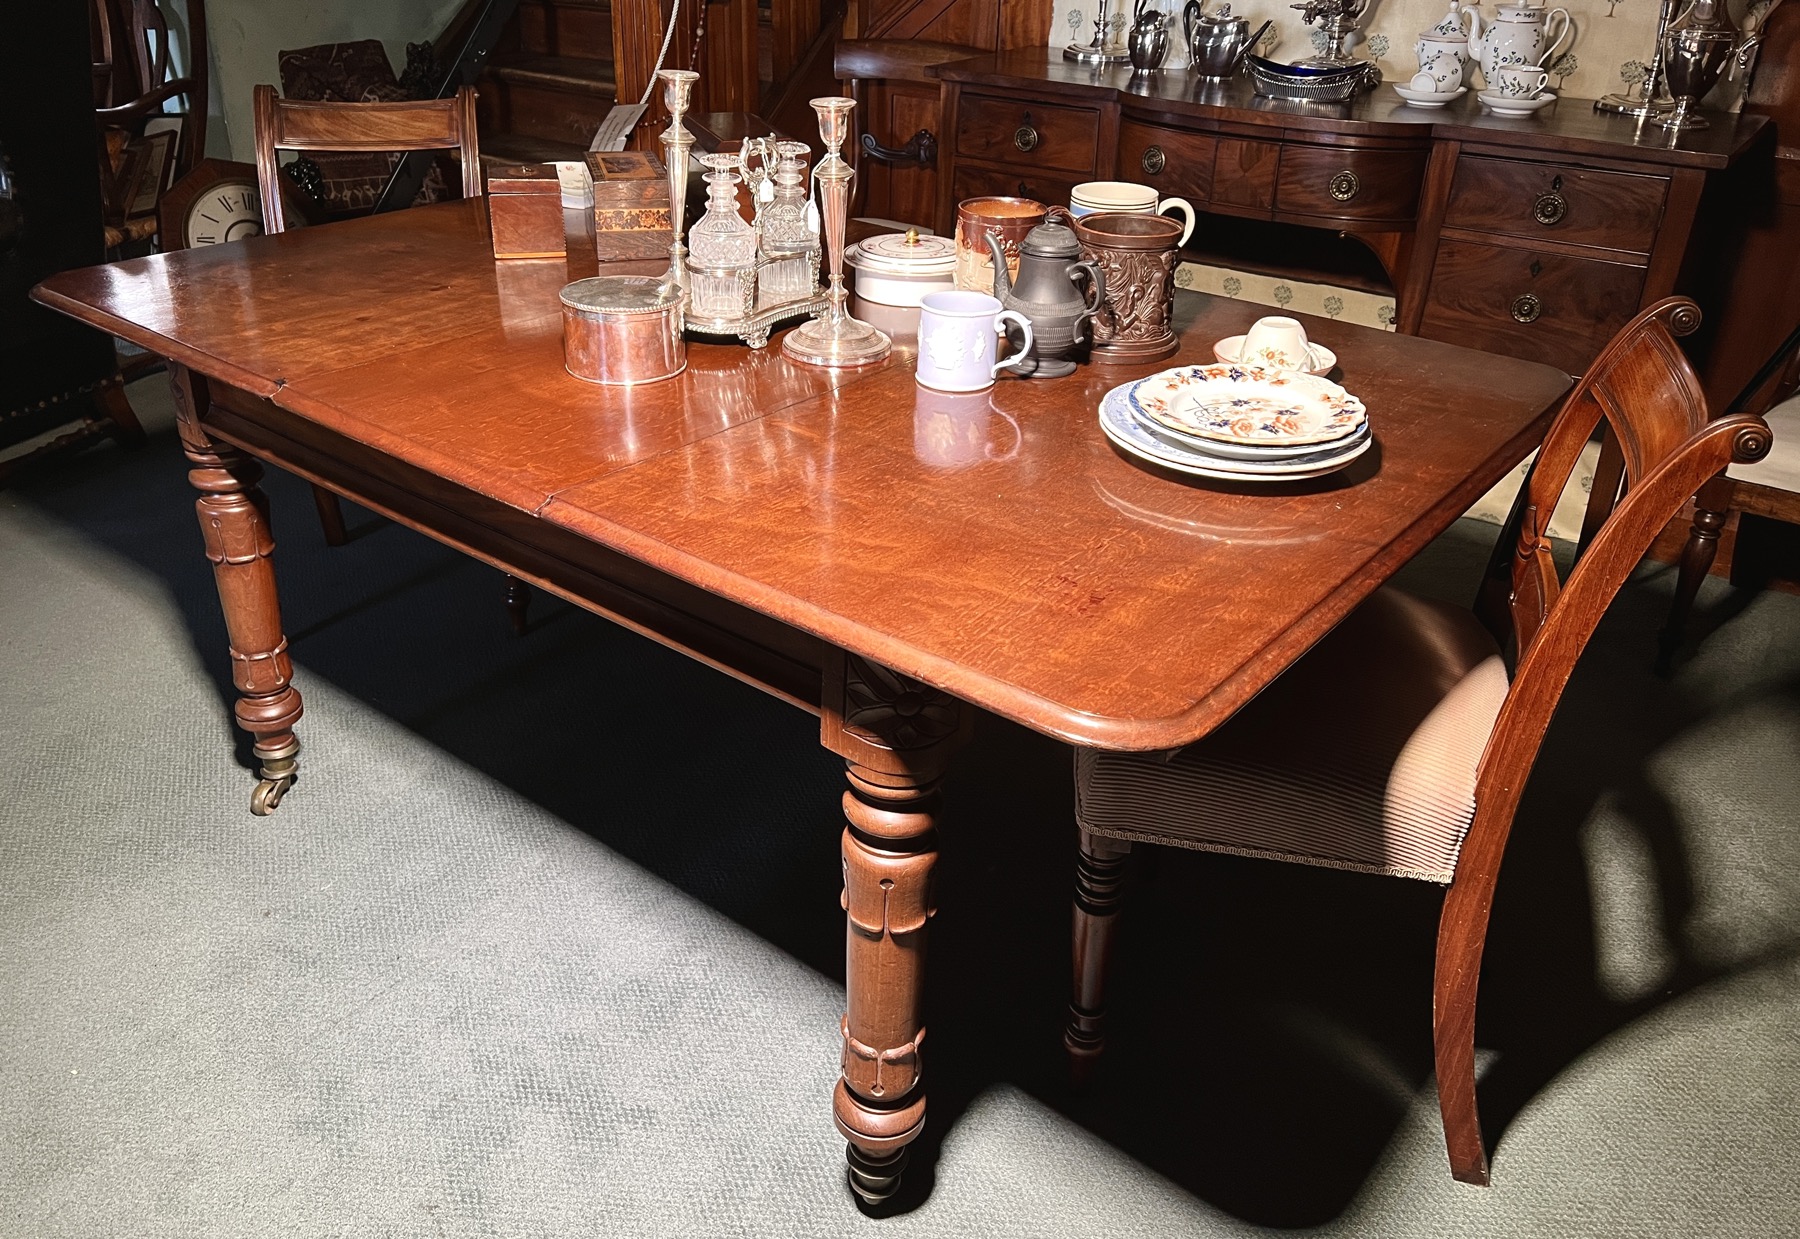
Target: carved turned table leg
column 1099, row 878
column 234, row 521
column 895, row 735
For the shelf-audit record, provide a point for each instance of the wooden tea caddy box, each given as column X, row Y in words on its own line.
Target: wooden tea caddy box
column 631, row 205
column 525, row 211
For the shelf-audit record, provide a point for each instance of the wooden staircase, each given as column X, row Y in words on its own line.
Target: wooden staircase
column 549, row 82
column 553, row 76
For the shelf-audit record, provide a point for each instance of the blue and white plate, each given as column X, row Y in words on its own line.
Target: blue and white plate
column 1248, row 405
column 1120, row 424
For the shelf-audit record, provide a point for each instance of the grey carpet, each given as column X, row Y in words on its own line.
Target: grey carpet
column 509, row 963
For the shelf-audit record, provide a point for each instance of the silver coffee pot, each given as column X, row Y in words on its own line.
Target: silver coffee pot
column 1696, row 49
column 1148, row 42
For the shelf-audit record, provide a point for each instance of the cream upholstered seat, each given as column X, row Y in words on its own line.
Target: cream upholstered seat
column 1780, row 469
column 1362, row 756
column 1398, row 744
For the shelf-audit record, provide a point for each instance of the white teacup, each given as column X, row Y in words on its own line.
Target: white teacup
column 1276, row 343
column 1093, row 197
column 1440, row 74
column 959, row 340
column 1520, row 81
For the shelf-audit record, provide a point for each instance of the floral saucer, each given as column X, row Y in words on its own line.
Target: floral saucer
column 1246, row 404
column 1508, row 105
column 1231, row 350
column 1429, row 98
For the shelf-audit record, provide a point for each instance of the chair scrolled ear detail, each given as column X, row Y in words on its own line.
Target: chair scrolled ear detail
column 1428, row 767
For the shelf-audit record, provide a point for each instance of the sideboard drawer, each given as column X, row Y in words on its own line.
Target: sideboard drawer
column 1543, row 307
column 1177, row 163
column 1617, row 210
column 1350, row 184
column 1037, row 135
column 1244, row 173
column 1009, row 182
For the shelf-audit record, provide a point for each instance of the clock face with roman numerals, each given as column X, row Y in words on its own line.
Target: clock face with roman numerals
column 226, row 211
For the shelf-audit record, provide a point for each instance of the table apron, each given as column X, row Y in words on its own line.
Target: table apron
column 749, row 646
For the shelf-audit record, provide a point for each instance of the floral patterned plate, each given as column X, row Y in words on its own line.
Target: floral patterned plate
column 1245, row 404
column 1124, row 429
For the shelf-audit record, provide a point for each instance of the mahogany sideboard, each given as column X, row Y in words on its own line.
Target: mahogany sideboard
column 1538, row 238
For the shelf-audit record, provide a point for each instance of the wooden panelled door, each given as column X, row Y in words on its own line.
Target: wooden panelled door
column 897, row 109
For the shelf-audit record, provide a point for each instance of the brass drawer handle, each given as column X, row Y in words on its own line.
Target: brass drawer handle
column 1025, row 137
column 1550, row 208
column 1154, row 160
column 1526, row 307
column 1344, row 185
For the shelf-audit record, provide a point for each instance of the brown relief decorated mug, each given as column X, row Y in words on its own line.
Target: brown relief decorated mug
column 1005, row 219
column 1137, row 254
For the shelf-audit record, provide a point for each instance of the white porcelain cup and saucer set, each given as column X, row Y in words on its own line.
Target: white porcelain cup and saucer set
column 1276, row 343
column 1240, row 421
column 959, row 340
column 1093, row 197
column 1515, row 51
column 1443, row 53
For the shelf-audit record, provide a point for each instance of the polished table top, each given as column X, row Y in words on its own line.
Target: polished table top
column 1005, row 553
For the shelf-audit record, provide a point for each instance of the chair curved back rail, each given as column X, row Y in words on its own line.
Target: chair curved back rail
column 1644, row 388
column 146, row 32
column 411, row 125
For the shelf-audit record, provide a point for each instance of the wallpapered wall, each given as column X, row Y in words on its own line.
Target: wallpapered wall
column 1612, row 44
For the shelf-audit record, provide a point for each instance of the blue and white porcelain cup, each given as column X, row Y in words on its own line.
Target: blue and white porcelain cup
column 1093, row 197
column 959, row 340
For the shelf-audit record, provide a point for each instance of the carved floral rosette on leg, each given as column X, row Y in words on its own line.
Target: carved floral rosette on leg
column 895, row 736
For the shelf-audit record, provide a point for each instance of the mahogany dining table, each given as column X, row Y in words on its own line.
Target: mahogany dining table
column 884, row 557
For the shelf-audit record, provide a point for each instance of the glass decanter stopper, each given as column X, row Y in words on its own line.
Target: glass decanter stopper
column 721, row 246
column 834, row 338
column 790, row 247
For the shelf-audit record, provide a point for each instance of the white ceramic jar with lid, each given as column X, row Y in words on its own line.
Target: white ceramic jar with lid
column 898, row 269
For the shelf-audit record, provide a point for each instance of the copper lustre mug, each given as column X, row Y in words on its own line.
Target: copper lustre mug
column 1137, row 254
column 1007, row 220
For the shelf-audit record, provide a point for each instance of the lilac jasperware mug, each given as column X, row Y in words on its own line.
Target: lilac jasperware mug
column 959, row 340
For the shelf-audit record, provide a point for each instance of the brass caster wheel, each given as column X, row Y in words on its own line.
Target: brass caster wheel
column 874, row 1179
column 268, row 794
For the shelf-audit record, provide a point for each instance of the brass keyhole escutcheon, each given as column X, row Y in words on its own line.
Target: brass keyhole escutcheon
column 1526, row 307
column 1025, row 137
column 1154, row 161
column 1549, row 208
column 1344, row 185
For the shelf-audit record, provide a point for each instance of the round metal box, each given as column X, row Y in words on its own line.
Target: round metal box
column 623, row 329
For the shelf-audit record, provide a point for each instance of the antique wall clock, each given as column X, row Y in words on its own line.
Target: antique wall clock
column 216, row 202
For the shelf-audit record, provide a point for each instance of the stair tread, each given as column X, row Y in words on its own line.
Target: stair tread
column 518, row 148
column 593, row 77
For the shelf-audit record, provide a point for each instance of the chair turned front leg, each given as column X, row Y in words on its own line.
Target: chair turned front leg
column 518, row 605
column 1710, row 512
column 234, row 524
column 1099, row 882
column 889, row 850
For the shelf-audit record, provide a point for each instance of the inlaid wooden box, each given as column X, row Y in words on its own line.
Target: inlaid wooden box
column 631, row 205
column 525, row 211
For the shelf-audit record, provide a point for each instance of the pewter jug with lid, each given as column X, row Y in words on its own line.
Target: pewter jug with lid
column 1046, row 292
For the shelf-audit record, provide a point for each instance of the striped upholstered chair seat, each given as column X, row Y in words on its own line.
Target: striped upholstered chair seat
column 1362, row 756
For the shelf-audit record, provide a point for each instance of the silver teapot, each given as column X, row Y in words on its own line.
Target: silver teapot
column 1215, row 42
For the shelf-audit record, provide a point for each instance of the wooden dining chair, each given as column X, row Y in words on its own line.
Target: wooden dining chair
column 1400, row 744
column 411, row 125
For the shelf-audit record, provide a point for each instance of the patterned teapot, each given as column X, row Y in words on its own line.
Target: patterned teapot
column 1520, row 35
column 1453, row 35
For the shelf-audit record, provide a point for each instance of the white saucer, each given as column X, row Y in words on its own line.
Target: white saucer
column 1429, row 98
column 1503, row 105
column 1231, row 348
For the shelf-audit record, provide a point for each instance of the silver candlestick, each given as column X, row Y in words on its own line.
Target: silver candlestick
column 834, row 338
column 1649, row 99
column 1104, row 50
column 678, row 92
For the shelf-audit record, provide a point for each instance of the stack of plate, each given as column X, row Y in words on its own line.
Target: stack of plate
column 1237, row 423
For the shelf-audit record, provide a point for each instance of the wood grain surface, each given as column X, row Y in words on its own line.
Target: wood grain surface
column 999, row 549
